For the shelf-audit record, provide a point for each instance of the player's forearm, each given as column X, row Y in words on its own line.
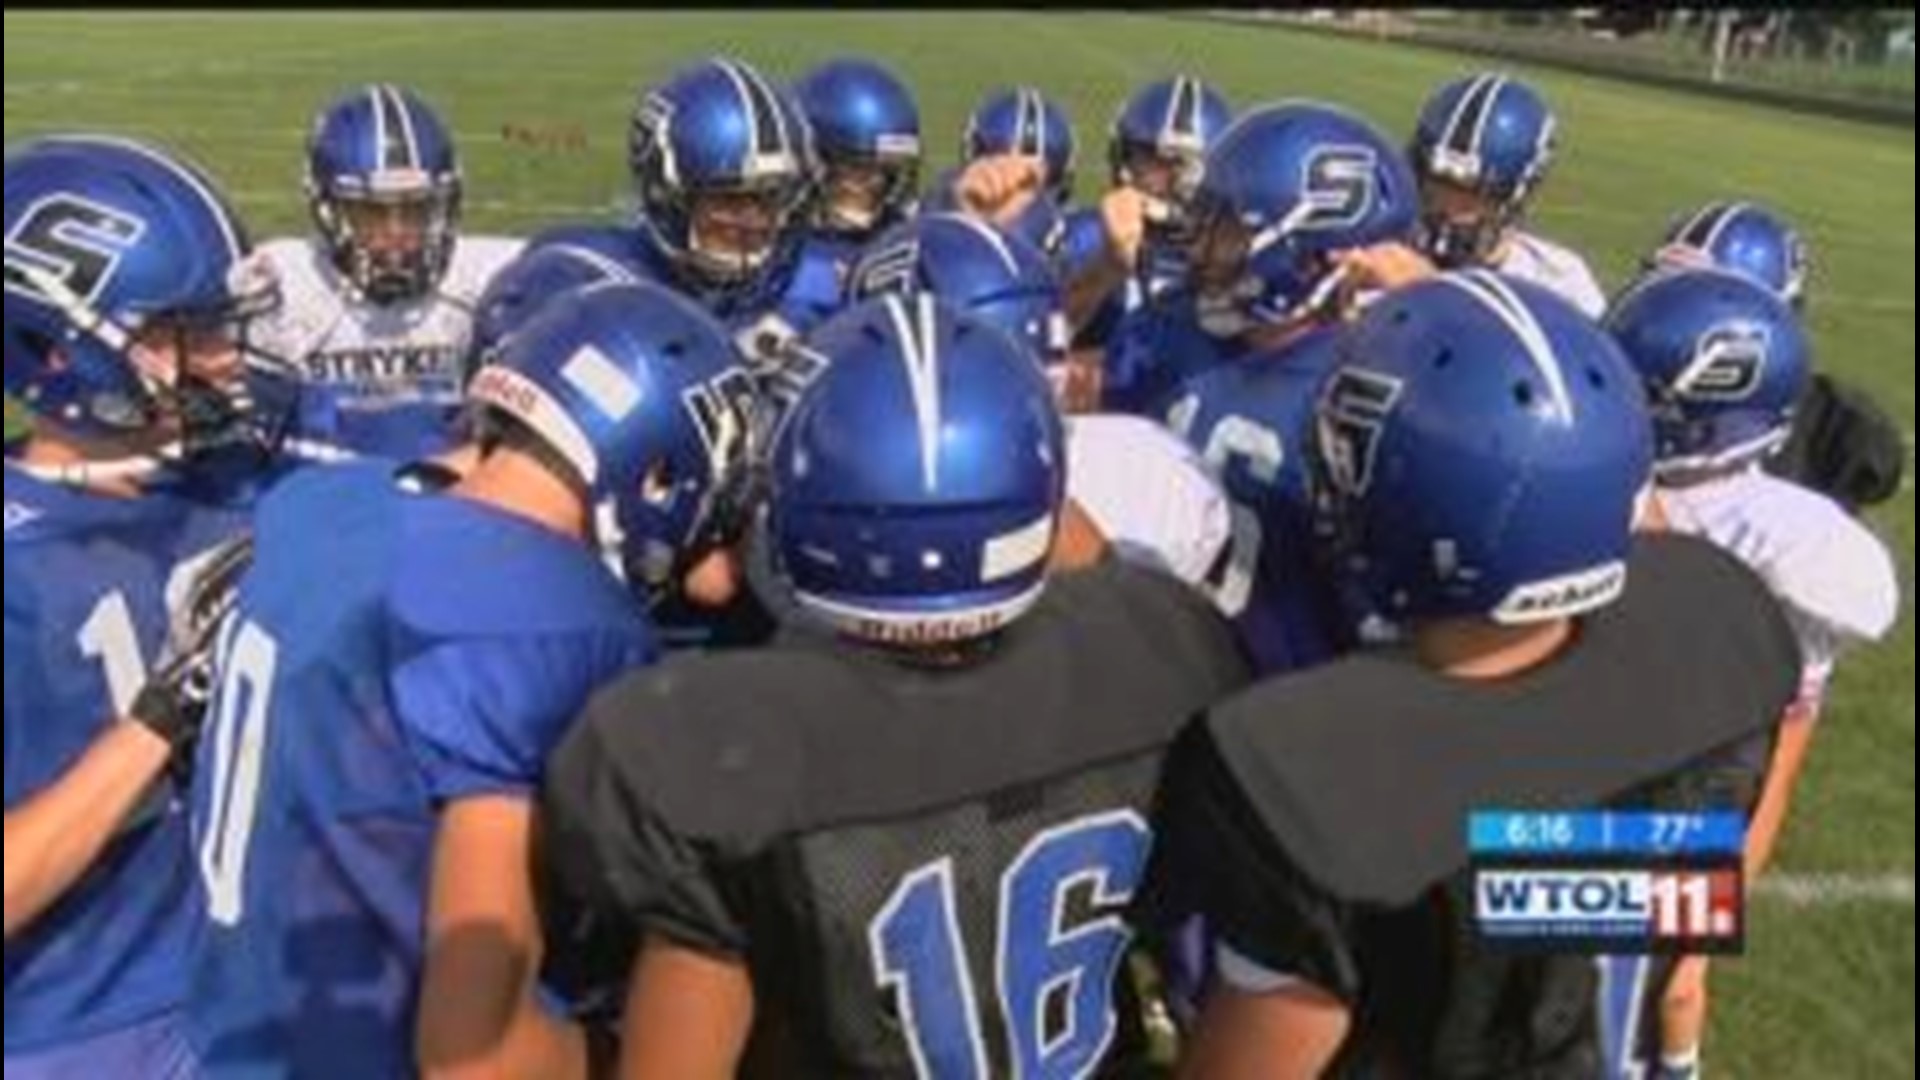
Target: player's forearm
column 1783, row 775
column 1089, row 289
column 54, row 838
column 1282, row 1036
column 479, row 1016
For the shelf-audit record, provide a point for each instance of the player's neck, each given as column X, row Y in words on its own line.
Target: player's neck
column 515, row 483
column 1503, row 250
column 50, row 450
column 1475, row 650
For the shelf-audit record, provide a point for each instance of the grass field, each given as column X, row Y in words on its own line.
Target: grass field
column 1829, row 992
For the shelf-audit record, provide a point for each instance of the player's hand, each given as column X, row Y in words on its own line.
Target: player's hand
column 1001, row 187
column 1078, row 384
column 1384, row 267
column 1125, row 215
column 173, row 704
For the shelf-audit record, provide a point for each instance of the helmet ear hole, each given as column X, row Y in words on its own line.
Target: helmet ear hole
column 658, row 486
column 1523, row 395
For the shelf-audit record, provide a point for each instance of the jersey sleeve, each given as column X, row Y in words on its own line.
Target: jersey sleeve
column 611, row 869
column 484, row 715
column 1216, row 868
column 1150, row 494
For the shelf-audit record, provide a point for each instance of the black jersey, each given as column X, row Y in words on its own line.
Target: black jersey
column 926, row 871
column 1317, row 825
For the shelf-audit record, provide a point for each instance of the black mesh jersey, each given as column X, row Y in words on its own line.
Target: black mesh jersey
column 925, row 870
column 1318, row 825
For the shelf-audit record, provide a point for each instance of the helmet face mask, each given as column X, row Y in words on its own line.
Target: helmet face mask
column 385, row 191
column 1462, row 227
column 858, row 193
column 391, row 248
column 1158, row 174
column 735, row 233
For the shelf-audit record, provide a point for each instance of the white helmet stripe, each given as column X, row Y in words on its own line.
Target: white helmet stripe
column 612, row 270
column 1486, row 115
column 1494, row 294
column 993, row 238
column 919, row 352
column 1462, row 110
column 1728, row 216
column 408, row 137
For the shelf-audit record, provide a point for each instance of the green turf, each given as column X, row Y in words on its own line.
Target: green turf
column 1830, row 993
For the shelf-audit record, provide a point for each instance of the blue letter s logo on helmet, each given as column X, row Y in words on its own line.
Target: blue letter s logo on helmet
column 66, row 244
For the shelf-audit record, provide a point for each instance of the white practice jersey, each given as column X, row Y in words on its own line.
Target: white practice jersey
column 1550, row 266
column 1149, row 493
column 1836, row 579
column 381, row 381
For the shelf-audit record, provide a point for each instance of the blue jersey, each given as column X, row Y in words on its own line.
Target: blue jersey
column 1155, row 349
column 87, row 585
column 1253, row 420
column 392, row 653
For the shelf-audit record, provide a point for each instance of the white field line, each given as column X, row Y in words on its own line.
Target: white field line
column 1836, row 890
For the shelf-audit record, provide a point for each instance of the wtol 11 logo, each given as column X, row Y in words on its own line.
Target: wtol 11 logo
column 1610, row 884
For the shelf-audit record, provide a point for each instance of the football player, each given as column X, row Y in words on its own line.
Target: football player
column 1740, row 238
column 1486, row 450
column 1725, row 360
column 1017, row 169
column 377, row 305
column 725, row 171
column 866, row 129
column 1143, row 491
column 126, row 301
column 1288, row 191
column 1483, row 147
column 917, row 865
column 1132, row 247
column 1844, row 443
column 363, row 795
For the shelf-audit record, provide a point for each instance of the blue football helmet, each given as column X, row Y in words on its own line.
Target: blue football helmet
column 639, row 391
column 1743, row 238
column 866, row 130
column 1725, row 361
column 1491, row 135
column 1174, row 122
column 976, row 269
column 377, row 152
column 1484, row 449
column 917, row 490
column 1024, row 122
column 108, row 240
column 1285, row 189
column 720, row 138
column 525, row 286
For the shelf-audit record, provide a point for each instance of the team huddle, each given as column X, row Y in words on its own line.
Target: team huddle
column 834, row 625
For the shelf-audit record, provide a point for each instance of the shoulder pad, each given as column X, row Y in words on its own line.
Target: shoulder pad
column 1366, row 771
column 695, row 734
column 556, row 585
